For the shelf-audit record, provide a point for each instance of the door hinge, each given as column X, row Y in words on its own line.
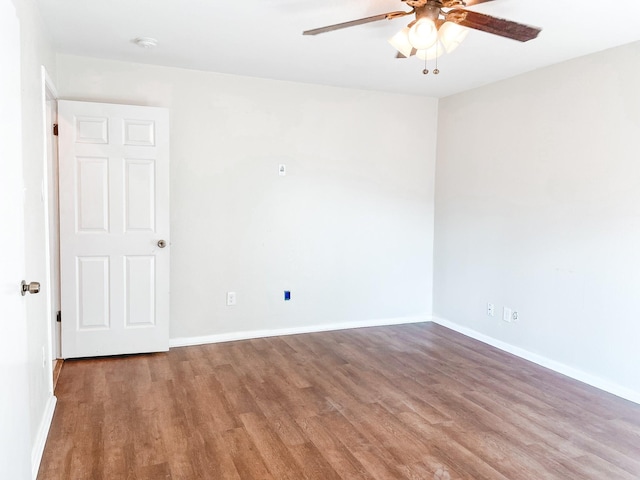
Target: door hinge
column 55, row 129
column 59, row 317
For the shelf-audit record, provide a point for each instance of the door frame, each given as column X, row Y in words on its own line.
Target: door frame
column 52, row 230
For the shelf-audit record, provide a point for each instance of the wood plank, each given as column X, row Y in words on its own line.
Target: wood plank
column 403, row 402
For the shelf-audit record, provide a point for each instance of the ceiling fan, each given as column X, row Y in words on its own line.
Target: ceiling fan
column 437, row 27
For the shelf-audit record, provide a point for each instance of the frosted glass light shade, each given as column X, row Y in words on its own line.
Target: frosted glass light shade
column 451, row 35
column 400, row 42
column 423, row 34
column 430, row 53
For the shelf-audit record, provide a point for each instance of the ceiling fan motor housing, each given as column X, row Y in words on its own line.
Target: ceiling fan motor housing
column 428, row 11
column 422, row 3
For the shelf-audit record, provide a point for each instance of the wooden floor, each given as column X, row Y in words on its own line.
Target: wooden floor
column 406, row 402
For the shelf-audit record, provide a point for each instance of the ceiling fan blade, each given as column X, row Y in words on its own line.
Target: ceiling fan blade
column 360, row 21
column 460, row 3
column 471, row 3
column 494, row 25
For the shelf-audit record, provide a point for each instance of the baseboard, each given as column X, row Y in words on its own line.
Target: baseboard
column 571, row 372
column 41, row 437
column 247, row 335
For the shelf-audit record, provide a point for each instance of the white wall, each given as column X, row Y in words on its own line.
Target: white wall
column 538, row 209
column 348, row 230
column 36, row 50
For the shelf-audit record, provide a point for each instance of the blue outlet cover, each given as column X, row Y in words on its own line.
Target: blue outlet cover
column 287, row 295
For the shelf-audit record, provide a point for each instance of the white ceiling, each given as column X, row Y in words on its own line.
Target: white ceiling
column 263, row 38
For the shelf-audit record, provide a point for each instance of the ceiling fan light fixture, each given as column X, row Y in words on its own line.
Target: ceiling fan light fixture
column 430, row 53
column 452, row 35
column 423, row 34
column 400, row 41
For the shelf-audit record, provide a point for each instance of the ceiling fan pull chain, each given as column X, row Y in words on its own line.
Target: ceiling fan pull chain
column 435, row 70
column 425, row 71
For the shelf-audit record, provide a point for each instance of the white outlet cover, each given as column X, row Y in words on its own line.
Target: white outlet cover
column 282, row 169
column 231, row 298
column 506, row 314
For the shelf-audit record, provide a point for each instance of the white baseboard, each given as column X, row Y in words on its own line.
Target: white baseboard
column 558, row 367
column 41, row 437
column 233, row 336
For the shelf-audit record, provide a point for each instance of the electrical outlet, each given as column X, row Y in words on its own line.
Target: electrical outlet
column 231, row 298
column 506, row 314
column 514, row 316
column 491, row 309
column 282, row 170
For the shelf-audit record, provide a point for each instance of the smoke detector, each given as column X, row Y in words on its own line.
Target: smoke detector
column 145, row 42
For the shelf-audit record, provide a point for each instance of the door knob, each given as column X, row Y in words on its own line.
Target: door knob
column 33, row 287
column 162, row 243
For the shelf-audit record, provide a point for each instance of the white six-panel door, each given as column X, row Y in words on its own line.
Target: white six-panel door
column 114, row 221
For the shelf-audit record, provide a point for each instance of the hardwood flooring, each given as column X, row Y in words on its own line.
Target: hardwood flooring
column 403, row 402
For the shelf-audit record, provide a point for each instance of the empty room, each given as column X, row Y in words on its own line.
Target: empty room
column 394, row 239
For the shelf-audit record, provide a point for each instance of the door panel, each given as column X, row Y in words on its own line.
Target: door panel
column 139, row 132
column 139, row 290
column 15, row 444
column 93, row 292
column 92, row 129
column 92, row 194
column 114, row 209
column 140, row 194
